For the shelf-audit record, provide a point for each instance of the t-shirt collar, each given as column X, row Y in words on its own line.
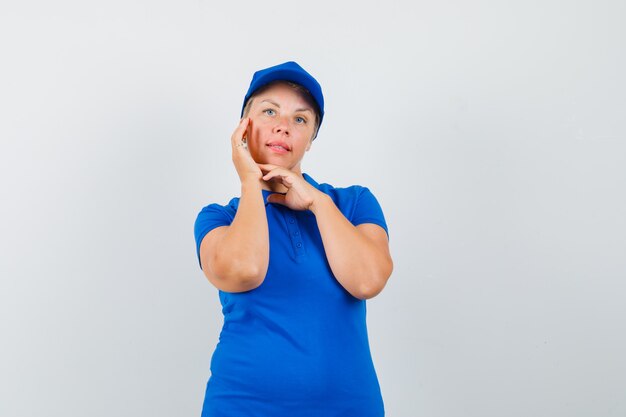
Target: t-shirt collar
column 310, row 180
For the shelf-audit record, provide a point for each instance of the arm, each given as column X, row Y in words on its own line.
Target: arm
column 235, row 258
column 358, row 256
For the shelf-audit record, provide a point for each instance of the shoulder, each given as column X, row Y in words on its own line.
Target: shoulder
column 350, row 198
column 357, row 203
column 224, row 209
column 345, row 195
column 214, row 215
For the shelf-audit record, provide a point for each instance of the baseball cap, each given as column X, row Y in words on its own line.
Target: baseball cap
column 288, row 71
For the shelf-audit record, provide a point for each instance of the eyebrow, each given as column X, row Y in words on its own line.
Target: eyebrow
column 277, row 105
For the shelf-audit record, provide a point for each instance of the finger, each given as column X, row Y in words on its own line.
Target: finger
column 276, row 198
column 239, row 131
column 267, row 167
column 277, row 172
column 273, row 168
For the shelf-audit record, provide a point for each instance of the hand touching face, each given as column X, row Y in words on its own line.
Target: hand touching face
column 246, row 167
column 282, row 123
column 299, row 194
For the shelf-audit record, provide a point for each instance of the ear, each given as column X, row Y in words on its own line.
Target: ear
column 308, row 146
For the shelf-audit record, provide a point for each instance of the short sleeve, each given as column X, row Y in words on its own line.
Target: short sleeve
column 368, row 210
column 209, row 218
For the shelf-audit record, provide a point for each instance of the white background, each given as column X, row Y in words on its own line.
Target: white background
column 492, row 133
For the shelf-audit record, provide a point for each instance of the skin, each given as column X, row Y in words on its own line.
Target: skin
column 235, row 258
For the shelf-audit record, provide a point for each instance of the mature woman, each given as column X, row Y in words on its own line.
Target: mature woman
column 294, row 262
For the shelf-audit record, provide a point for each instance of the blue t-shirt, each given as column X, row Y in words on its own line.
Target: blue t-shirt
column 297, row 345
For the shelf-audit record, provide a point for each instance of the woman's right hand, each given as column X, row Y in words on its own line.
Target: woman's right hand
column 246, row 167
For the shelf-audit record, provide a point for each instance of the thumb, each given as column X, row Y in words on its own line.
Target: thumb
column 276, row 198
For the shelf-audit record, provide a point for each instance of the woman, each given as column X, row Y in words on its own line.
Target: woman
column 294, row 262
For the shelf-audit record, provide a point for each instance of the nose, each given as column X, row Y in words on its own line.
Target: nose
column 281, row 126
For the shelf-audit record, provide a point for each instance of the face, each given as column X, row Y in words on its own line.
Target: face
column 281, row 127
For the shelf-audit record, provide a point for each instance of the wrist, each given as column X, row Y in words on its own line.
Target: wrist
column 251, row 184
column 319, row 200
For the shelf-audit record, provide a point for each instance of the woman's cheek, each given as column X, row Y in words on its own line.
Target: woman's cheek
column 255, row 143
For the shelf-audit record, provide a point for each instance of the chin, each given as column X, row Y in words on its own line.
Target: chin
column 276, row 160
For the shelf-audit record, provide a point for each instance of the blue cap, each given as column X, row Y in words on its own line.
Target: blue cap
column 289, row 71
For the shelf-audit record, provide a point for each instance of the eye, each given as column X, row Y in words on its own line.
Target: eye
column 300, row 120
column 269, row 112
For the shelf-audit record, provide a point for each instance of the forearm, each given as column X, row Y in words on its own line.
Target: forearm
column 357, row 263
column 244, row 248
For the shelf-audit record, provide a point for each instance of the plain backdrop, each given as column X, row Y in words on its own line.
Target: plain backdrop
column 492, row 133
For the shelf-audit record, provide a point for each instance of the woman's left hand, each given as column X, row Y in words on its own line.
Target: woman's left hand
column 300, row 194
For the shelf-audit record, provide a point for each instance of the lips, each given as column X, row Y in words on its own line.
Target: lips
column 276, row 144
